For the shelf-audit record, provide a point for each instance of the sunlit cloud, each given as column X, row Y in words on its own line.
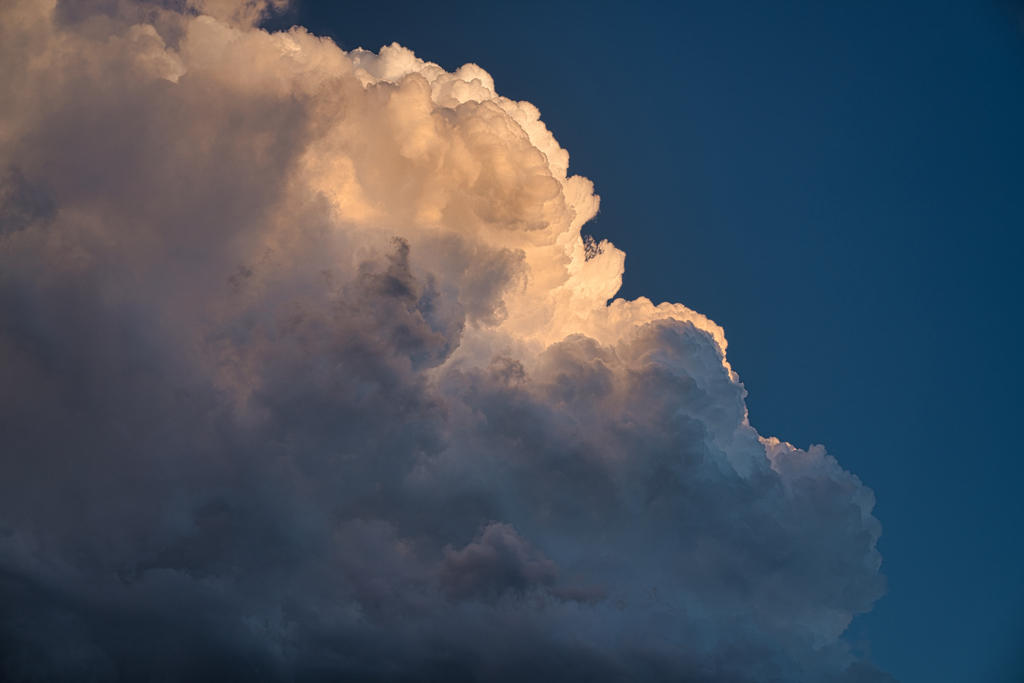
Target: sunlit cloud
column 309, row 371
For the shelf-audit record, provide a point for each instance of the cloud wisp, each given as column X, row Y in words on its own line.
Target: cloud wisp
column 307, row 372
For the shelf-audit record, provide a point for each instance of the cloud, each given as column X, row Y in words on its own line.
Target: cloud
column 498, row 561
column 308, row 372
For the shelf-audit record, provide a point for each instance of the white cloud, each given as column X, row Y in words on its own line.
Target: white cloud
column 307, row 369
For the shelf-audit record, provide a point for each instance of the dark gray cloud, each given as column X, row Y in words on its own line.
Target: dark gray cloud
column 307, row 373
column 497, row 562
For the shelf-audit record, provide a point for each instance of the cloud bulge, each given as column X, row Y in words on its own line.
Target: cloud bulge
column 307, row 372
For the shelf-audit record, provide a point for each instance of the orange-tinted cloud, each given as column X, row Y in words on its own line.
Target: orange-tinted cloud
column 308, row 369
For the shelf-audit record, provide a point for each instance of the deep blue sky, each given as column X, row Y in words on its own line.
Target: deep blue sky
column 841, row 186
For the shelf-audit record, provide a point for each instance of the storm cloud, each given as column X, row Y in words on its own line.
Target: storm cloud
column 308, row 372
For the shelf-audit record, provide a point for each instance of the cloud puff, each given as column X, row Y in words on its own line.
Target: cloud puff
column 307, row 372
column 498, row 561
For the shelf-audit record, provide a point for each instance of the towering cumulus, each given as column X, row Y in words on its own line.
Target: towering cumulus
column 307, row 372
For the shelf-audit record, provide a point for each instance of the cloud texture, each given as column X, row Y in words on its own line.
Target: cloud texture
column 307, row 373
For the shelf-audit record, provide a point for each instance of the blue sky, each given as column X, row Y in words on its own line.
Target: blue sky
column 841, row 187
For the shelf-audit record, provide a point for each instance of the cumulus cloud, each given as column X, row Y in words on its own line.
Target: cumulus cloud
column 307, row 372
column 498, row 561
